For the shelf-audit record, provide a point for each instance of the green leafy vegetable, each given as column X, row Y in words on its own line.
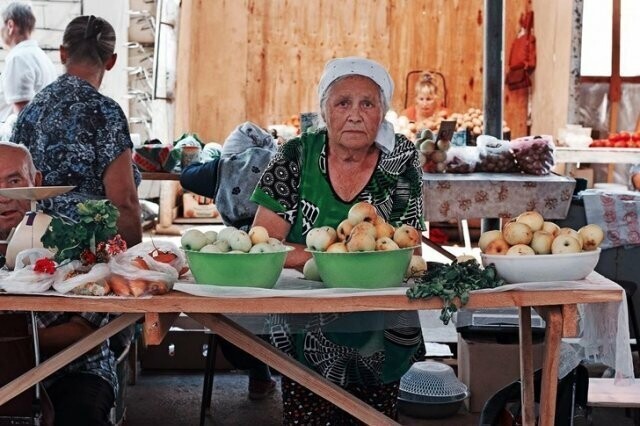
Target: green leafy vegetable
column 97, row 223
column 453, row 281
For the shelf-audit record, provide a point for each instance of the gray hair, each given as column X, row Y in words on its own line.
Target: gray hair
column 21, row 15
column 27, row 154
column 89, row 39
column 326, row 93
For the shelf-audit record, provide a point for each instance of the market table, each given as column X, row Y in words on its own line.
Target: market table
column 557, row 306
column 609, row 156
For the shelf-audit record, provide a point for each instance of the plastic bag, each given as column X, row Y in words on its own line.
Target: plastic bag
column 534, row 154
column 75, row 278
column 149, row 268
column 461, row 159
column 495, row 156
column 24, row 279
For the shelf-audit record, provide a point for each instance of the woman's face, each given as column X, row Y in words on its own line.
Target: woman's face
column 426, row 101
column 353, row 112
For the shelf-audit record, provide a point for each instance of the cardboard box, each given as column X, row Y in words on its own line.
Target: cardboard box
column 183, row 348
column 486, row 366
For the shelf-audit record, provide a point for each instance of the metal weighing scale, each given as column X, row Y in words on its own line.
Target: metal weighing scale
column 28, row 232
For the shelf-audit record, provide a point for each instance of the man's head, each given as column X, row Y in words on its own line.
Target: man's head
column 18, row 22
column 16, row 170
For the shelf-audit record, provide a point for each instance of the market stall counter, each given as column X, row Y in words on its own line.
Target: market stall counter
column 211, row 305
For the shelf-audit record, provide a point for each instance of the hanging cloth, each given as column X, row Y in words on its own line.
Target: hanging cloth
column 522, row 56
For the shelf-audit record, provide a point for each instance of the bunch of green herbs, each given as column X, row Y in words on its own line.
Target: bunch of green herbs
column 453, row 281
column 97, row 222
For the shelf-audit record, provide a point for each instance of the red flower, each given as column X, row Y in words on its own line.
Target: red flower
column 116, row 245
column 45, row 265
column 87, row 257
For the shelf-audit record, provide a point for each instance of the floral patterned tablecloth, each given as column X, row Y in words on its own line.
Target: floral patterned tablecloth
column 494, row 195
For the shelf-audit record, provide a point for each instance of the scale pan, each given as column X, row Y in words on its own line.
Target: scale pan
column 35, row 192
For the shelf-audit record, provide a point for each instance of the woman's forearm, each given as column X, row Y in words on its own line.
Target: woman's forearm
column 129, row 224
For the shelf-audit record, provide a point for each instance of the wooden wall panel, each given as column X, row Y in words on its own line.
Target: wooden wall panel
column 550, row 101
column 260, row 60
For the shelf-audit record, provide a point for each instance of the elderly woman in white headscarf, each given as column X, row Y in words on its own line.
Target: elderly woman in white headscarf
column 313, row 181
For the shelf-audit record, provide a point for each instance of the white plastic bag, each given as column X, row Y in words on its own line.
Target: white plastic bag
column 534, row 154
column 495, row 156
column 75, row 278
column 461, row 159
column 136, row 273
column 23, row 279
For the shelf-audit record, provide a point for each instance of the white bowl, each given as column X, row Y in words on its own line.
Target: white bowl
column 543, row 267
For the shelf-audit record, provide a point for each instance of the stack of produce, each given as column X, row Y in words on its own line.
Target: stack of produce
column 363, row 230
column 618, row 140
column 432, row 154
column 530, row 234
column 89, row 258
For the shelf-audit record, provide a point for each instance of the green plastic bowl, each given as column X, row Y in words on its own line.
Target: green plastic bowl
column 237, row 269
column 367, row 269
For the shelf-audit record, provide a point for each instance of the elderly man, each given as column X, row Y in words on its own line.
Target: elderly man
column 27, row 68
column 83, row 392
column 16, row 170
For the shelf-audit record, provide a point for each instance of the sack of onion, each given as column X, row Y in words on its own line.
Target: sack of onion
column 146, row 269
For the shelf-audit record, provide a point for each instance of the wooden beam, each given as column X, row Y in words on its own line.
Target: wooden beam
column 64, row 357
column 292, row 369
column 615, row 85
column 156, row 326
column 526, row 367
column 549, row 384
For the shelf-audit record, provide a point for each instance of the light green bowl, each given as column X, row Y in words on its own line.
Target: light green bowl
column 367, row 269
column 237, row 269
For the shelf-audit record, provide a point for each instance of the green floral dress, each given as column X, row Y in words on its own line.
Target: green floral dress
column 296, row 186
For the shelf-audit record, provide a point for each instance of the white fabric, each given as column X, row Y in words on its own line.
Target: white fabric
column 26, row 71
column 353, row 65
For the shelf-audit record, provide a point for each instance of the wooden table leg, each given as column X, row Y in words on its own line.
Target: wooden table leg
column 550, row 362
column 291, row 368
column 156, row 326
column 526, row 367
column 64, row 357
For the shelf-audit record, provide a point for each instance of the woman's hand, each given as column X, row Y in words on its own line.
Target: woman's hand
column 635, row 181
column 279, row 228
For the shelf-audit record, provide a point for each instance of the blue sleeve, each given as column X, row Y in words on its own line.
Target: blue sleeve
column 201, row 178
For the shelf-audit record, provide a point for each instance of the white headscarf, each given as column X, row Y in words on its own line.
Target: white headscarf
column 353, row 65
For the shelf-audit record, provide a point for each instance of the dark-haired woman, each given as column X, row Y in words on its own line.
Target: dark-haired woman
column 79, row 137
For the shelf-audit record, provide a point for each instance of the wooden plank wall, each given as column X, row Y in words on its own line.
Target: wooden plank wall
column 260, row 60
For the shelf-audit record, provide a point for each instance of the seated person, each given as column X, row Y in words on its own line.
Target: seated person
column 230, row 180
column 313, row 181
column 16, row 170
column 82, row 392
column 427, row 101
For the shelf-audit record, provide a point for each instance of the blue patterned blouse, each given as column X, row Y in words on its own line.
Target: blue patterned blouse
column 73, row 133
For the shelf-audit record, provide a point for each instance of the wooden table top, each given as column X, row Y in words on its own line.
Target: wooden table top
column 177, row 301
column 160, row 176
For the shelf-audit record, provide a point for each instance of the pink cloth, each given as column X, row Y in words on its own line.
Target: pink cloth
column 617, row 213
